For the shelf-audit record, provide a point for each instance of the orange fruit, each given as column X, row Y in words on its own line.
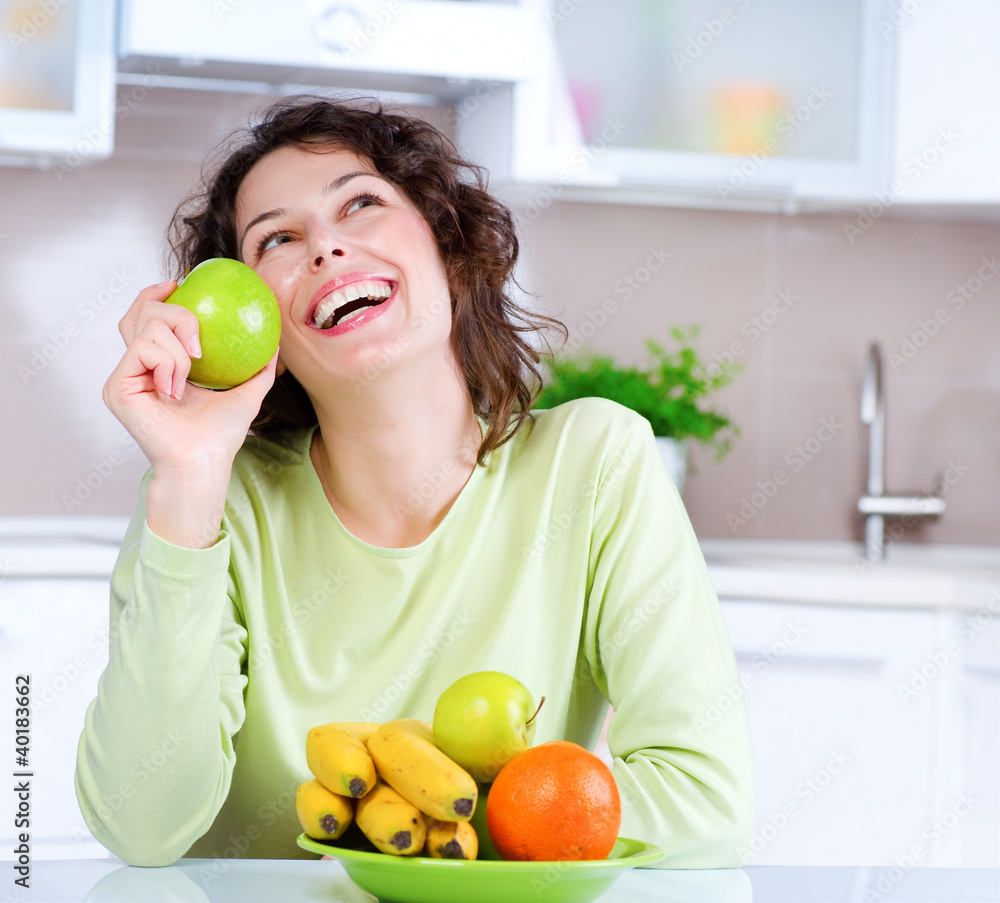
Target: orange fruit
column 554, row 802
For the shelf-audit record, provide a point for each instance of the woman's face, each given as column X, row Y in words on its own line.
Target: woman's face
column 354, row 266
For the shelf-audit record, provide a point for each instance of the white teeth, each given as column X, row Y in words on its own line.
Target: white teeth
column 353, row 314
column 351, row 293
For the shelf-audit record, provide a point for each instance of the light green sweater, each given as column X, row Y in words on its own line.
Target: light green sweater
column 568, row 562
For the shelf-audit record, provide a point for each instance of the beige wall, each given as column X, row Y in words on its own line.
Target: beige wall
column 75, row 249
column 804, row 354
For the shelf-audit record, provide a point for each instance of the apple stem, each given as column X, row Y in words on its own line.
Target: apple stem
column 532, row 718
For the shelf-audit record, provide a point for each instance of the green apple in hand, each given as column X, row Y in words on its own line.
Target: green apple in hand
column 239, row 323
column 483, row 720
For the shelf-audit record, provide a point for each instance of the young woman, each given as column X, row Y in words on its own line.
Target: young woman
column 378, row 512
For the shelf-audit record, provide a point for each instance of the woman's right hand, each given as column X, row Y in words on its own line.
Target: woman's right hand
column 189, row 434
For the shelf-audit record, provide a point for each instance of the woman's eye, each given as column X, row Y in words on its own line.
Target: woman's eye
column 365, row 200
column 272, row 241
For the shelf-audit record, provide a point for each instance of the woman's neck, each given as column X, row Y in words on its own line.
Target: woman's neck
column 394, row 459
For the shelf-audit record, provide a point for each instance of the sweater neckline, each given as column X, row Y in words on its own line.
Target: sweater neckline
column 408, row 551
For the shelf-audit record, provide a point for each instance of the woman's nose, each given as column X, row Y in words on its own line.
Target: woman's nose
column 321, row 255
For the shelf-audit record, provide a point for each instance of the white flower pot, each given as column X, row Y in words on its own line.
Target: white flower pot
column 674, row 453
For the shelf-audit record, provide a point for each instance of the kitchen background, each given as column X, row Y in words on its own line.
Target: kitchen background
column 794, row 290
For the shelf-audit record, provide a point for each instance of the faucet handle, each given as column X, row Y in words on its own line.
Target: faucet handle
column 871, row 387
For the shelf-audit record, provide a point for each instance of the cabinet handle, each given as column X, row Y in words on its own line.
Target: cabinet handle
column 337, row 25
column 792, row 658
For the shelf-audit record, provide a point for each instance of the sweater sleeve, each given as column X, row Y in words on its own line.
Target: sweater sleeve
column 658, row 649
column 155, row 758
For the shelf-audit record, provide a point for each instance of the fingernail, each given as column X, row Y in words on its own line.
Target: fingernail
column 170, row 388
column 194, row 346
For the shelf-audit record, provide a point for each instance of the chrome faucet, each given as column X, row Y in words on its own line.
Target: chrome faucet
column 876, row 505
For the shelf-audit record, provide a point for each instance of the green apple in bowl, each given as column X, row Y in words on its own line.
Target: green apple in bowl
column 239, row 323
column 478, row 822
column 483, row 720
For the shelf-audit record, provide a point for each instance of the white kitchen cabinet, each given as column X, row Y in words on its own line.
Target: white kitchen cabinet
column 978, row 718
column 57, row 83
column 54, row 597
column 947, row 133
column 438, row 48
column 875, row 732
column 737, row 105
column 56, row 631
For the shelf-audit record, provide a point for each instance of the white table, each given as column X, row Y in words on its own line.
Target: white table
column 267, row 881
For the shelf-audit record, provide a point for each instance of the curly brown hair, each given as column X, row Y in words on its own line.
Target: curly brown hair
column 475, row 233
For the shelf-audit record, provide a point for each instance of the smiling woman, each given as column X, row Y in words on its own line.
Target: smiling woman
column 379, row 512
column 410, row 159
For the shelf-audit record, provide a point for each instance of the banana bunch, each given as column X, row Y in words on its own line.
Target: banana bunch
column 407, row 797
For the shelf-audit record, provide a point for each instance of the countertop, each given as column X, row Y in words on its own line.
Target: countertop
column 250, row 881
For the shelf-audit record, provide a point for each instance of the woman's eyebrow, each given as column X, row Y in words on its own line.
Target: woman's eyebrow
column 263, row 217
column 337, row 183
column 341, row 181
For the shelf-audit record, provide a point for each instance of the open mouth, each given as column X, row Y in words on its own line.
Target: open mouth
column 346, row 304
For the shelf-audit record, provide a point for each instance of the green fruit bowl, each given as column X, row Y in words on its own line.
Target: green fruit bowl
column 419, row 879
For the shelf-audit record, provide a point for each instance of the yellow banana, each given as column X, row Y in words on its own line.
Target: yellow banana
column 407, row 759
column 390, row 822
column 336, row 755
column 451, row 840
column 324, row 815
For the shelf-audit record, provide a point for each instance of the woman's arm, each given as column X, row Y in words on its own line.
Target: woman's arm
column 659, row 650
column 155, row 759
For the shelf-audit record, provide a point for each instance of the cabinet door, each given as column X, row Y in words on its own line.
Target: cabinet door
column 844, row 760
column 948, row 73
column 435, row 48
column 784, row 100
column 56, row 631
column 978, row 702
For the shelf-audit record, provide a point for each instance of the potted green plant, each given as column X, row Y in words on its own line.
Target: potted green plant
column 669, row 391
